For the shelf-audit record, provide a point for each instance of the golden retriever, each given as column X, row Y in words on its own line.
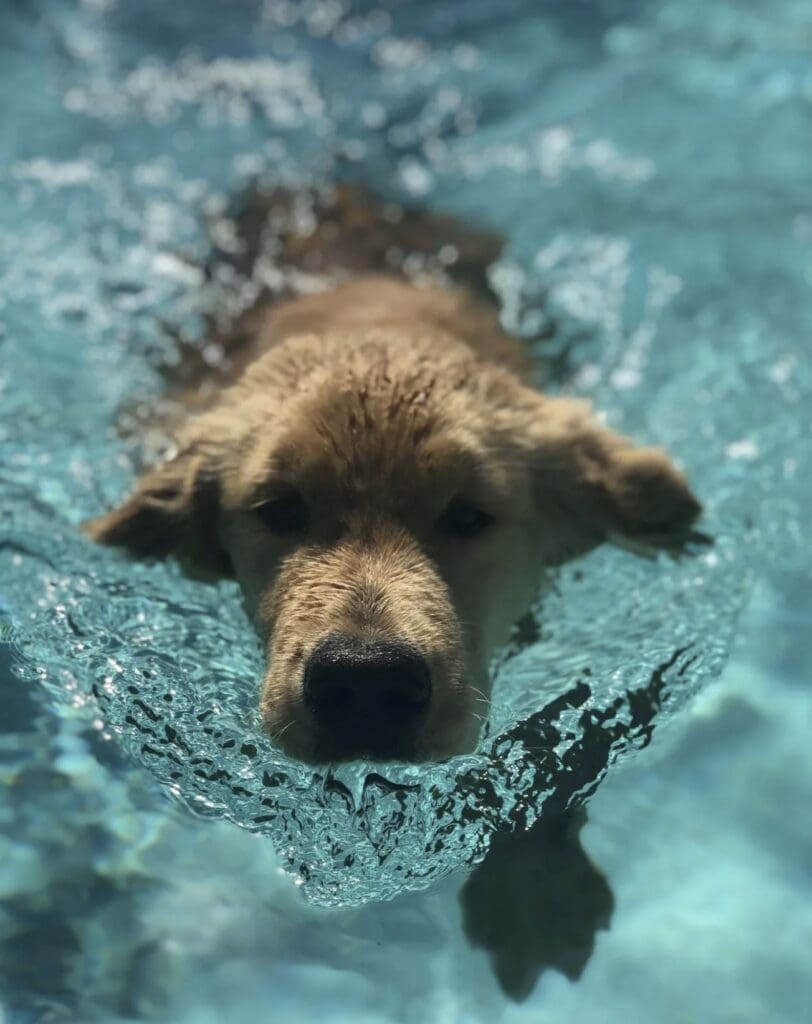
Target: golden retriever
column 387, row 490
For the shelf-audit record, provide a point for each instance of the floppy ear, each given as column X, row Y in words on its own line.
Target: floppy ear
column 599, row 486
column 173, row 511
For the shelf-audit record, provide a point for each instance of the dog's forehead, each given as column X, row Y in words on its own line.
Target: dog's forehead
column 388, row 425
column 377, row 434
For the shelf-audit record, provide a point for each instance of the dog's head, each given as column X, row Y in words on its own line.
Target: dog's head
column 387, row 503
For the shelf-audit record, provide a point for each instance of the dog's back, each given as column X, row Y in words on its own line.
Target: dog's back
column 384, row 301
column 340, row 260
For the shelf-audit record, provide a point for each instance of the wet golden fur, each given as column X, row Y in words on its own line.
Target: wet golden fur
column 378, row 402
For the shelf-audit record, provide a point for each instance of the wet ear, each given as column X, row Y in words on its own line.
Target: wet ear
column 173, row 511
column 600, row 486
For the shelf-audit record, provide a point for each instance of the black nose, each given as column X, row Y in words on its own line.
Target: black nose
column 367, row 699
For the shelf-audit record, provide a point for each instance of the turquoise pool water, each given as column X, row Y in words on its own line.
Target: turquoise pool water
column 649, row 167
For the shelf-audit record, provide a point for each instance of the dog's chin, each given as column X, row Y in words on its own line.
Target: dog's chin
column 301, row 742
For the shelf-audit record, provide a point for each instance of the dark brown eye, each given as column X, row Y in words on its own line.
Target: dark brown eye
column 464, row 519
column 286, row 514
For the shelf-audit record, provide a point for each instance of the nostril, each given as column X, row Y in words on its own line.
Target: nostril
column 332, row 697
column 405, row 696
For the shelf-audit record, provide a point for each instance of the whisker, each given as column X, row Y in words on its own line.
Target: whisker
column 276, row 736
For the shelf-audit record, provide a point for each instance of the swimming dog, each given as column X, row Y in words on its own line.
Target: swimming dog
column 374, row 469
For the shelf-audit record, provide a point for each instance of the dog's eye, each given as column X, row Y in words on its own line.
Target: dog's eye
column 286, row 514
column 464, row 519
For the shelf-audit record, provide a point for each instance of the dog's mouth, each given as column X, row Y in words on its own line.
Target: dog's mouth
column 361, row 747
column 361, row 744
column 362, row 741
